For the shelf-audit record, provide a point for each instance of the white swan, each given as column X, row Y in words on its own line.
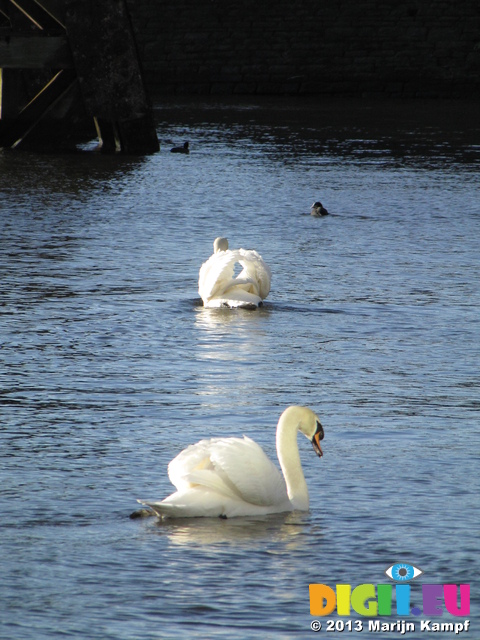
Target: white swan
column 231, row 477
column 217, row 285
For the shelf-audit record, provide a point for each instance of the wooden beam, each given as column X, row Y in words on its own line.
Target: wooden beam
column 37, row 109
column 18, row 52
column 38, row 15
column 55, row 9
column 4, row 17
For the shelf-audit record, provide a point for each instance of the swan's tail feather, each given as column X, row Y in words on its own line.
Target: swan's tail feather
column 235, row 298
column 186, row 506
column 163, row 509
column 152, row 505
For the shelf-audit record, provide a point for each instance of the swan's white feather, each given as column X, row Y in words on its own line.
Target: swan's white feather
column 255, row 270
column 194, row 457
column 240, row 466
column 216, row 274
column 223, row 476
column 218, row 286
column 251, row 472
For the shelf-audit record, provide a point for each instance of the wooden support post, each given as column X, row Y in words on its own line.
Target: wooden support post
column 108, row 69
column 108, row 135
column 10, row 94
column 90, row 41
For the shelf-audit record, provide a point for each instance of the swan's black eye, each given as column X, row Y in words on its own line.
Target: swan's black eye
column 402, row 572
column 320, row 431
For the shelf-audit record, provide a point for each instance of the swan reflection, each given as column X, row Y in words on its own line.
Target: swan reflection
column 289, row 529
column 228, row 344
column 222, row 317
column 235, row 336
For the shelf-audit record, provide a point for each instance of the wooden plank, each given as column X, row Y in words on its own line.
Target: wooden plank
column 16, row 131
column 55, row 8
column 17, row 52
column 41, row 18
column 50, row 96
column 50, row 92
column 4, row 15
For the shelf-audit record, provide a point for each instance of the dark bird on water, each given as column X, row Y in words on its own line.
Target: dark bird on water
column 183, row 149
column 318, row 210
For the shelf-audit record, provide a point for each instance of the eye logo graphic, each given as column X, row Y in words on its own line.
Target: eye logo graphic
column 382, row 599
column 401, row 572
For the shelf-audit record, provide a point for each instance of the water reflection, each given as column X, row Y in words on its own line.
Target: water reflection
column 390, row 135
column 228, row 347
column 244, row 319
column 288, row 529
column 42, row 177
column 230, row 335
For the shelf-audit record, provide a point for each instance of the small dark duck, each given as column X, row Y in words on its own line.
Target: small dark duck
column 318, row 210
column 182, row 149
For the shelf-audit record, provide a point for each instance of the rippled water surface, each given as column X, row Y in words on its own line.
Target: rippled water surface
column 110, row 366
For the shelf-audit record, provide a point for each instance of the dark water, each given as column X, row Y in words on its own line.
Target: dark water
column 110, row 366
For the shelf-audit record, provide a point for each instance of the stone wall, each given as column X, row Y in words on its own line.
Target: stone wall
column 399, row 48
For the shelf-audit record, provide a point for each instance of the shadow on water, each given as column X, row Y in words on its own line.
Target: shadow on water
column 32, row 174
column 358, row 130
column 223, row 316
column 279, row 307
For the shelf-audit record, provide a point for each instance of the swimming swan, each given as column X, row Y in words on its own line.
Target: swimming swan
column 231, row 477
column 217, row 285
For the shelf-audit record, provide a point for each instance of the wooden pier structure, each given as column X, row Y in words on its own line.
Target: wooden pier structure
column 64, row 60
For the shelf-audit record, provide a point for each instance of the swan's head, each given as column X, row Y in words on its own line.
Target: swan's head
column 308, row 423
column 317, row 436
column 220, row 244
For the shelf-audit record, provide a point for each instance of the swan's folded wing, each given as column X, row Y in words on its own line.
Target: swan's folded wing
column 255, row 268
column 249, row 471
column 198, row 466
column 194, row 457
column 216, row 482
column 216, row 274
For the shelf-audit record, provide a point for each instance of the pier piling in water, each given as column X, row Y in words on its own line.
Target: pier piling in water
column 71, row 52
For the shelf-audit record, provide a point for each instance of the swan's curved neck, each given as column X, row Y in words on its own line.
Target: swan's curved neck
column 289, row 458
